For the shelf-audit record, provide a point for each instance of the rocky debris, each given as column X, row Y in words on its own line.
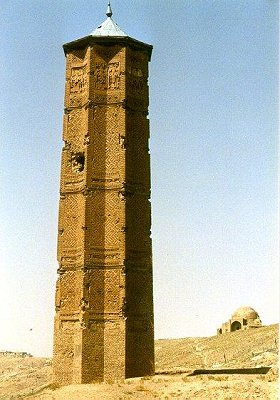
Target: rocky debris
column 20, row 354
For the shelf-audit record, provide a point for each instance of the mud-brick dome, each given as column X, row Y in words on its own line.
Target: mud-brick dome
column 245, row 312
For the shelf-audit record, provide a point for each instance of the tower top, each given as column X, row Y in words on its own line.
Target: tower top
column 108, row 33
column 108, row 27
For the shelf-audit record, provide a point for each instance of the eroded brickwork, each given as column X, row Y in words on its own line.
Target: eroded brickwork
column 104, row 301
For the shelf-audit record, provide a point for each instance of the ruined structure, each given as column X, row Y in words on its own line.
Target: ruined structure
column 104, row 298
column 242, row 318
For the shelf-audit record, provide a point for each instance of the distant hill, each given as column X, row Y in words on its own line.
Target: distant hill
column 249, row 348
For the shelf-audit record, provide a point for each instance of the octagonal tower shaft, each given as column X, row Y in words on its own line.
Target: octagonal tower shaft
column 104, row 296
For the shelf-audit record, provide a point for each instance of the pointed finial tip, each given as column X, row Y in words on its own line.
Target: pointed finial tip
column 109, row 10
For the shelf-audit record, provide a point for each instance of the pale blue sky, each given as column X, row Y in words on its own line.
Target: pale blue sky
column 213, row 115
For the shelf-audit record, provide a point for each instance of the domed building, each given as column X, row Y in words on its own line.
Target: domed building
column 242, row 318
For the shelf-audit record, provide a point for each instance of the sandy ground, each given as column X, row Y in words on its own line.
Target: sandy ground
column 164, row 387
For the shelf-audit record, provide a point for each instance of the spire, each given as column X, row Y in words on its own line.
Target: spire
column 109, row 12
column 108, row 27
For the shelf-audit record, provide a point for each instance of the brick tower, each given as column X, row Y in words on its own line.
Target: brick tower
column 104, row 296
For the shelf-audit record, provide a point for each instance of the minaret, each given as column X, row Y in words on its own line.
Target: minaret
column 104, row 297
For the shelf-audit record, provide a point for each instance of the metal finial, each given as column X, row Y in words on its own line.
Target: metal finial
column 109, row 10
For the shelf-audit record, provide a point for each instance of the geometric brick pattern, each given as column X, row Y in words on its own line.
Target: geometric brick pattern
column 76, row 120
column 104, row 292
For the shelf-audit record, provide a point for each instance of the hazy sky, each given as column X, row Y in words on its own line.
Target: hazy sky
column 213, row 116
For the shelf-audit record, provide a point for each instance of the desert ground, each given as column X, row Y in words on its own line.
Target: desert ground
column 176, row 362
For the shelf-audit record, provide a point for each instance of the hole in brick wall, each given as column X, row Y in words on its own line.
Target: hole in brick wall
column 78, row 162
